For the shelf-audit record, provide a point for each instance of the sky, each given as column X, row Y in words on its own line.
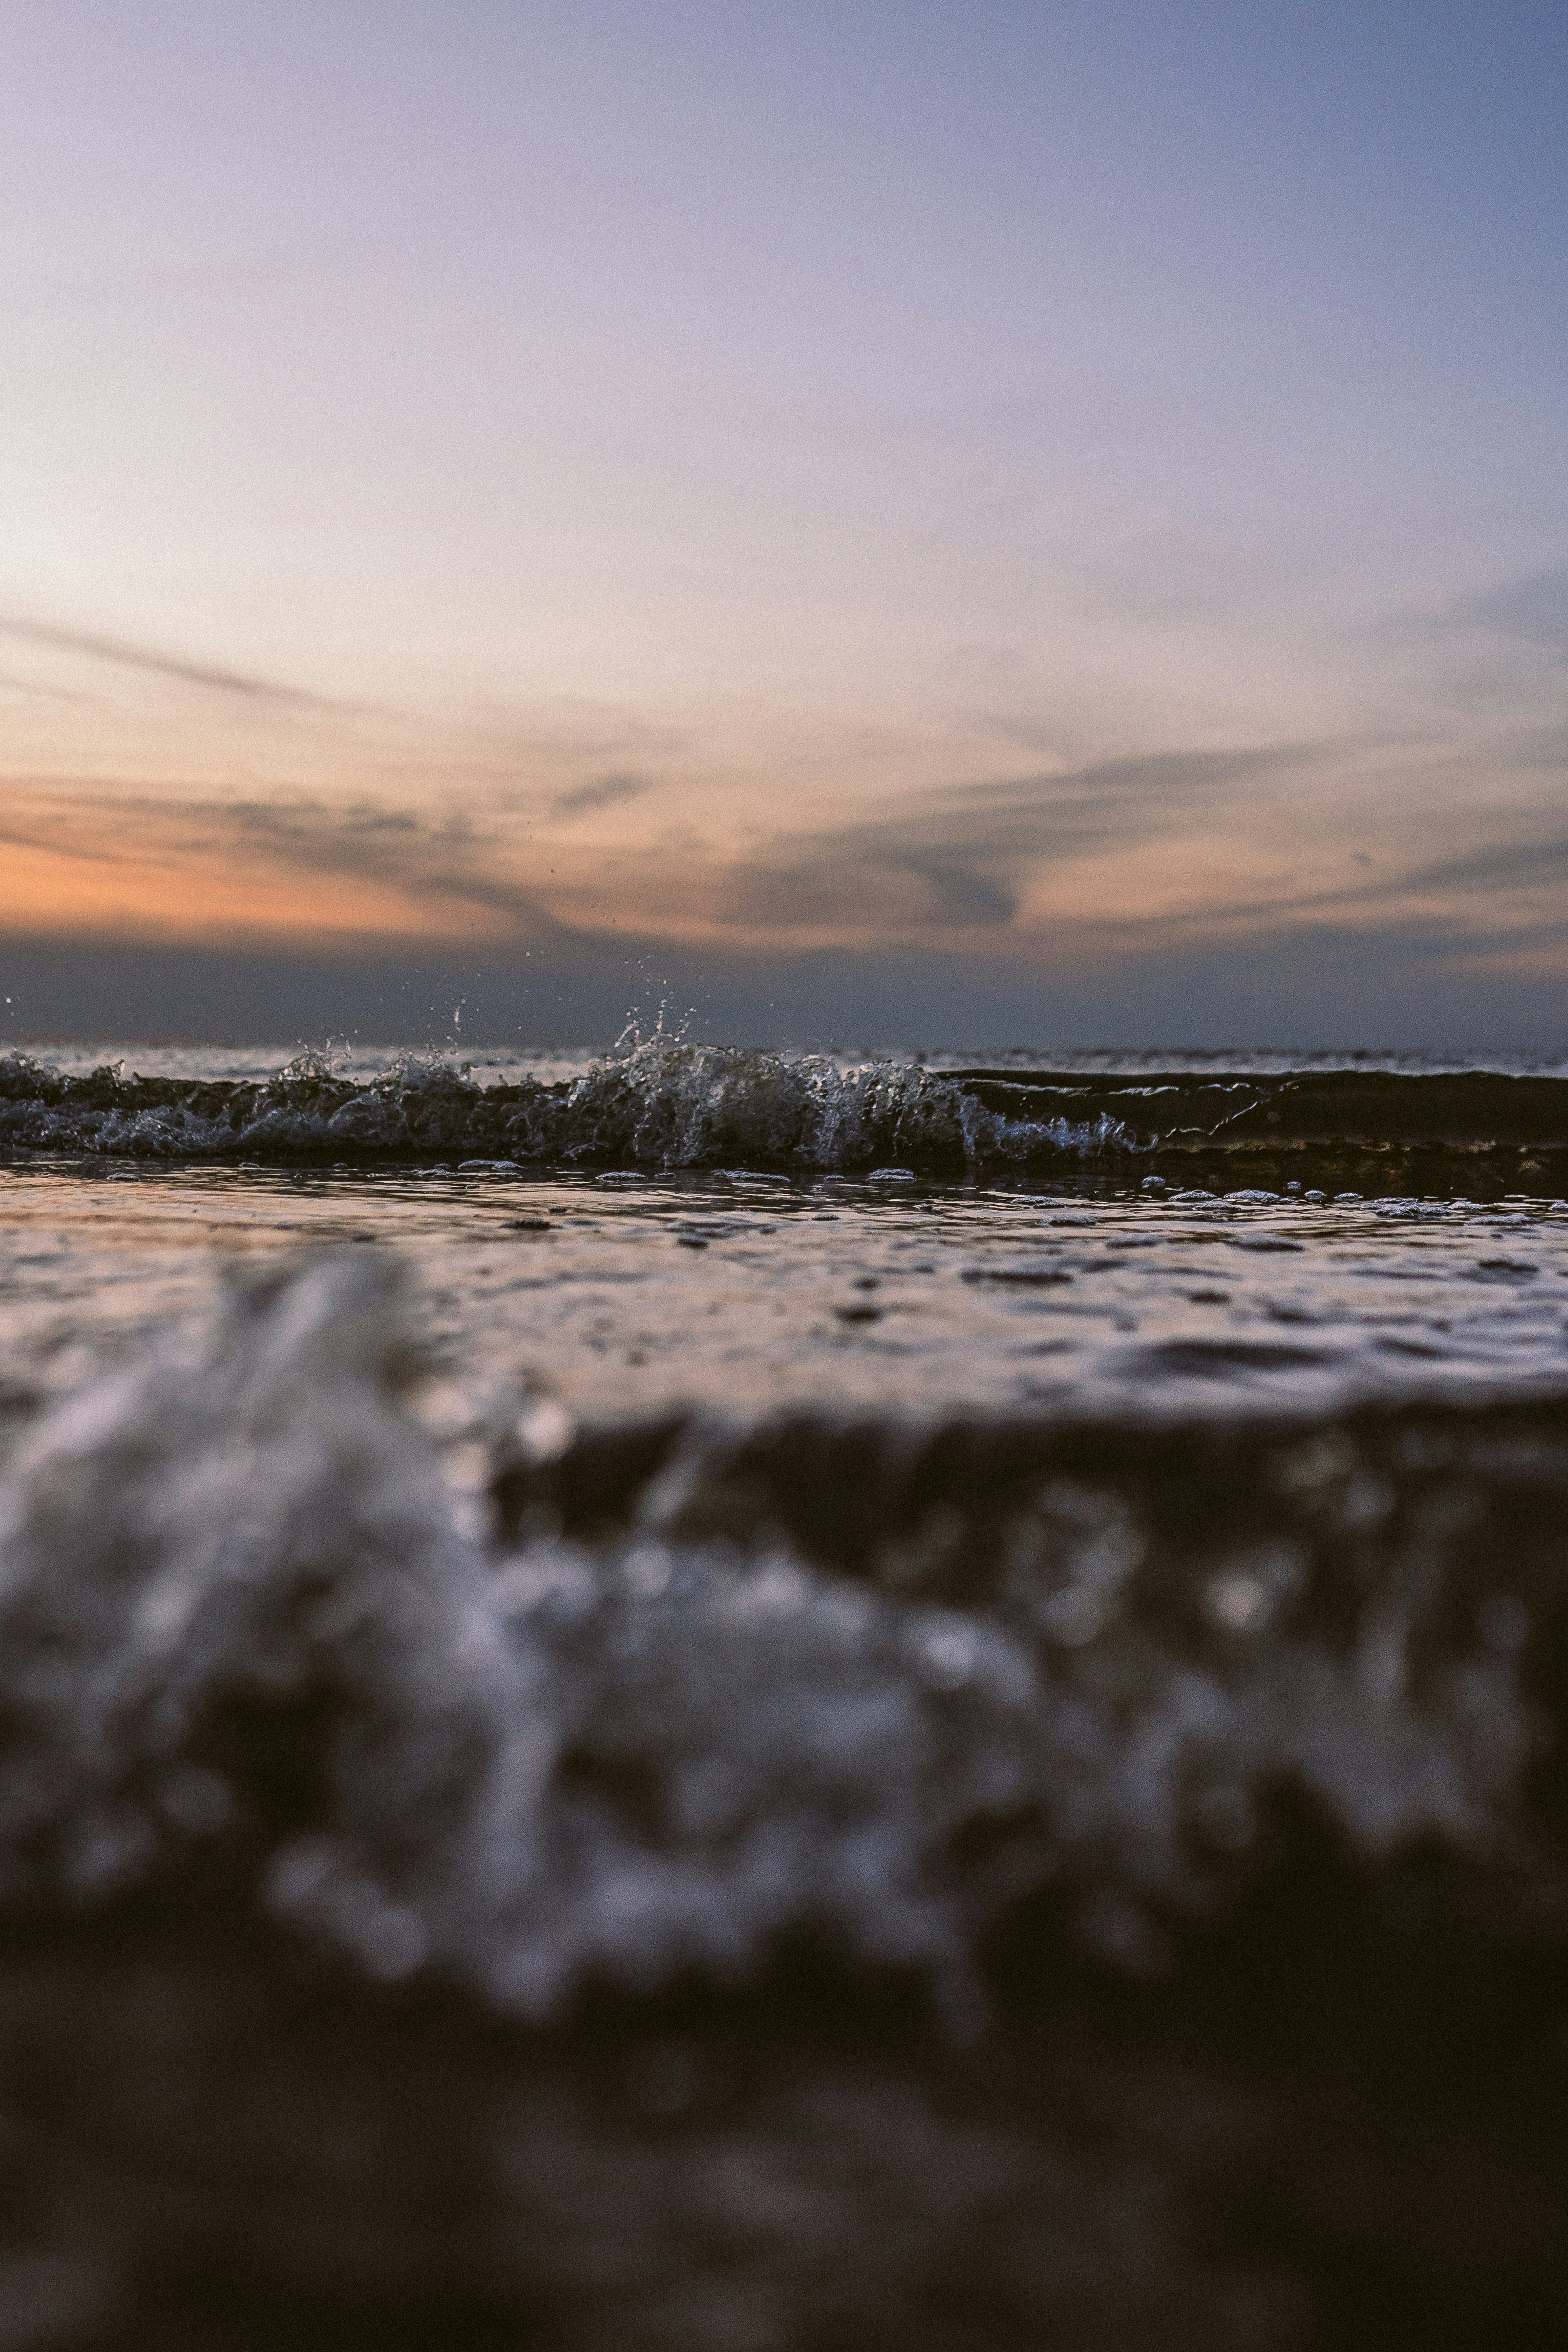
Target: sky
column 881, row 520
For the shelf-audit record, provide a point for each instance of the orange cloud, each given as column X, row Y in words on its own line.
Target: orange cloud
column 1114, row 859
column 95, row 866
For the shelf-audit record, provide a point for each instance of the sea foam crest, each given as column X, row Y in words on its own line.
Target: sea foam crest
column 254, row 1622
column 665, row 1103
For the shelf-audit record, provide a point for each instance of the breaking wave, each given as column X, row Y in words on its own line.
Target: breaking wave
column 666, row 1104
column 447, row 1687
column 663, row 1105
column 670, row 1104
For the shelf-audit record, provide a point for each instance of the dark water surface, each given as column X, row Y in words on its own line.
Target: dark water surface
column 719, row 1702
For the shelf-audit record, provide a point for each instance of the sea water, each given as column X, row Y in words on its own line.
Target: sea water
column 727, row 1700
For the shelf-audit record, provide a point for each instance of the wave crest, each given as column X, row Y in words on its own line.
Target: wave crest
column 665, row 1104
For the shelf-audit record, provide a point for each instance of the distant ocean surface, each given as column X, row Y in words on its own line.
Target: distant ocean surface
column 709, row 1699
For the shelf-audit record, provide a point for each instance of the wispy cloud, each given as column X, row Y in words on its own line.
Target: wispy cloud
column 120, row 652
column 603, row 792
column 1491, row 889
column 1029, row 871
column 303, row 863
column 962, row 859
column 446, row 865
column 1533, row 857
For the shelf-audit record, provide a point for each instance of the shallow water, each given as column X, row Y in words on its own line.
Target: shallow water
column 743, row 1292
column 665, row 1746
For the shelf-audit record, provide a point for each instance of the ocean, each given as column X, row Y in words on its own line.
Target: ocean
column 705, row 1701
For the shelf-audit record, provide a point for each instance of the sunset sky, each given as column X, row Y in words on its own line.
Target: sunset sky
column 1037, row 523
